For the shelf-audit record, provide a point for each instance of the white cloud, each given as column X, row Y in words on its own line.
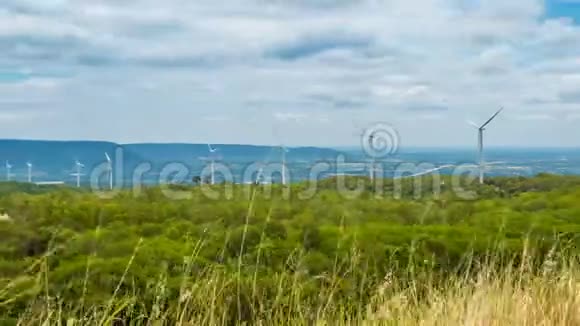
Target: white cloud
column 533, row 117
column 215, row 118
column 290, row 116
column 164, row 65
column 9, row 117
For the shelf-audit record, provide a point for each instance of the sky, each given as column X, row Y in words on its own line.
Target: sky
column 296, row 72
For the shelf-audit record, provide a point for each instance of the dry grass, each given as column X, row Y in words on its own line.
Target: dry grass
column 491, row 299
column 513, row 296
column 484, row 294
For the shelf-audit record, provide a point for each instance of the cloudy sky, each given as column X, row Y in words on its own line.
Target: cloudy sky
column 302, row 72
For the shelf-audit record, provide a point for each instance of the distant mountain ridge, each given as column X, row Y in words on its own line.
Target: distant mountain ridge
column 55, row 159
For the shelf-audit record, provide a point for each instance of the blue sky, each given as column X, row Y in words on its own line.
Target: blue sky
column 300, row 72
column 563, row 8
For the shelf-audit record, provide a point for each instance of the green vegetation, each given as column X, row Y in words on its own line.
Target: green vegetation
column 69, row 257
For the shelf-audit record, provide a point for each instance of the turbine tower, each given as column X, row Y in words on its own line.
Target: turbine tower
column 259, row 175
column 360, row 133
column 109, row 171
column 212, row 152
column 284, row 151
column 78, row 166
column 372, row 165
column 480, row 130
column 29, row 165
column 8, row 171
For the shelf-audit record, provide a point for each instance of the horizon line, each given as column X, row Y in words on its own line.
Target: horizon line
column 344, row 146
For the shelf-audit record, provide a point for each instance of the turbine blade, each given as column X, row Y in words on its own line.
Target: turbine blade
column 491, row 119
column 495, row 163
column 108, row 157
column 472, row 124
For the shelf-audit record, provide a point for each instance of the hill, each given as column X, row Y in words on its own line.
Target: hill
column 276, row 255
column 54, row 160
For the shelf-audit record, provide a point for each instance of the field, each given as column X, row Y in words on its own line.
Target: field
column 394, row 254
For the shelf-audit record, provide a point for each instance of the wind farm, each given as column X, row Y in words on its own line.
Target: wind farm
column 298, row 161
column 156, row 226
column 251, row 162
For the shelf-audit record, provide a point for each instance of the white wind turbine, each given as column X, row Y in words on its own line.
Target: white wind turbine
column 284, row 151
column 260, row 174
column 212, row 152
column 109, row 170
column 8, row 171
column 480, row 130
column 29, row 165
column 78, row 167
column 360, row 133
column 372, row 165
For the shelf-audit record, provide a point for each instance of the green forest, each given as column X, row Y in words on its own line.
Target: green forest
column 68, row 256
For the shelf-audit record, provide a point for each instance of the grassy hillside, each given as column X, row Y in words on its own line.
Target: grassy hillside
column 391, row 255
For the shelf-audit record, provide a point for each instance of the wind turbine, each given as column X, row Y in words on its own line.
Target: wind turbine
column 480, row 130
column 259, row 175
column 109, row 170
column 212, row 152
column 8, row 170
column 29, row 165
column 78, row 166
column 263, row 163
column 372, row 166
column 360, row 132
column 284, row 151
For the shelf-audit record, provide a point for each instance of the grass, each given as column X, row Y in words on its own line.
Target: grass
column 481, row 295
column 526, row 289
column 506, row 298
